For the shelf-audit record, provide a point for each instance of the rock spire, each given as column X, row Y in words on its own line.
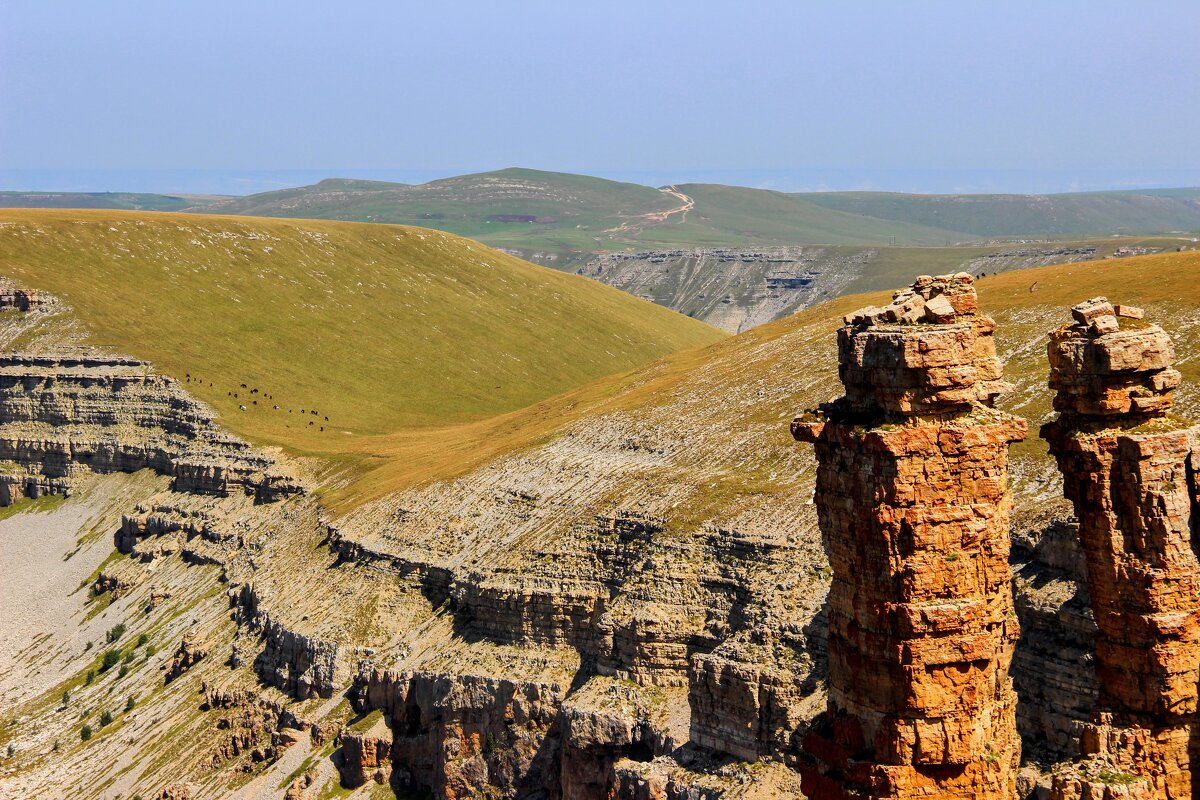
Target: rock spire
column 1130, row 471
column 913, row 502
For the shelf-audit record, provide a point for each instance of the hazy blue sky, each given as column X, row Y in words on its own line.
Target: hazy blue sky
column 909, row 95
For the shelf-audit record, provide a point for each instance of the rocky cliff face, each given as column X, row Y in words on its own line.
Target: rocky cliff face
column 913, row 501
column 462, row 736
column 1131, row 473
column 731, row 288
column 80, row 409
column 739, row 288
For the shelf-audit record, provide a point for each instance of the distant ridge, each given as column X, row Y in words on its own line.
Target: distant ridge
column 528, row 209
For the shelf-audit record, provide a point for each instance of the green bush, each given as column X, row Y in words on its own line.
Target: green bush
column 130, row 704
column 121, row 673
column 129, row 657
column 142, row 639
column 66, row 696
column 110, row 660
column 85, row 732
column 91, row 676
column 105, row 718
column 115, row 632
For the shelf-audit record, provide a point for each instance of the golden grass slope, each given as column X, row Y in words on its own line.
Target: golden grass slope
column 376, row 328
column 402, row 336
column 798, row 354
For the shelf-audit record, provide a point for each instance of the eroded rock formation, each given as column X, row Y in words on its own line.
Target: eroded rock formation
column 1130, row 471
column 22, row 298
column 461, row 735
column 913, row 501
column 189, row 652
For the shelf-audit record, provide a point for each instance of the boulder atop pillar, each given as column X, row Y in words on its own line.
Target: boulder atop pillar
column 1105, row 365
column 928, row 352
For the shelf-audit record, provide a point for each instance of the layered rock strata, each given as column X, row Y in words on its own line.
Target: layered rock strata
column 22, row 298
column 1130, row 471
column 80, row 409
column 303, row 666
column 460, row 735
column 913, row 502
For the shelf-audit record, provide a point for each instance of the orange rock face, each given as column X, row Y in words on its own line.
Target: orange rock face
column 1130, row 473
column 913, row 502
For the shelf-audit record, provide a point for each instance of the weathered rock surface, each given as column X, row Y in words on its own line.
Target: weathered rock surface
column 737, row 289
column 914, row 516
column 301, row 665
column 1131, row 473
column 366, row 756
column 22, row 298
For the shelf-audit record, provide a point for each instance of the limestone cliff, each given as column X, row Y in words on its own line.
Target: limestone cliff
column 81, row 409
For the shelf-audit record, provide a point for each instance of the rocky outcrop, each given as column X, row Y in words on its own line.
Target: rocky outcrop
column 20, row 298
column 606, row 722
column 303, row 666
column 462, row 736
column 176, row 791
column 251, row 724
column 913, row 502
column 187, row 655
column 366, row 756
column 745, row 707
column 1052, row 670
column 296, row 789
column 1130, row 472
column 80, row 409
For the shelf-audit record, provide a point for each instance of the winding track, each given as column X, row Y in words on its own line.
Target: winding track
column 642, row 221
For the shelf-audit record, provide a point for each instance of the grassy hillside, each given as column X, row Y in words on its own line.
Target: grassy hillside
column 734, row 215
column 1006, row 215
column 129, row 201
column 524, row 208
column 761, row 378
column 379, row 328
column 514, row 207
column 433, row 355
column 530, row 209
column 565, row 214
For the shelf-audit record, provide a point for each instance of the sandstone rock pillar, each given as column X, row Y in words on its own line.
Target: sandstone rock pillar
column 1130, row 471
column 913, row 502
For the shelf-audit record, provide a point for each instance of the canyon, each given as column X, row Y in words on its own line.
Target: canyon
column 736, row 289
column 637, row 605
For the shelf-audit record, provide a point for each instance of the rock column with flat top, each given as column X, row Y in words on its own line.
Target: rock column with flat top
column 913, row 502
column 1130, row 470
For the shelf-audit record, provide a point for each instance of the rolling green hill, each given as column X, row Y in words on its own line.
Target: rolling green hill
column 1007, row 215
column 513, row 207
column 378, row 328
column 734, row 215
column 528, row 209
column 524, row 208
column 570, row 215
